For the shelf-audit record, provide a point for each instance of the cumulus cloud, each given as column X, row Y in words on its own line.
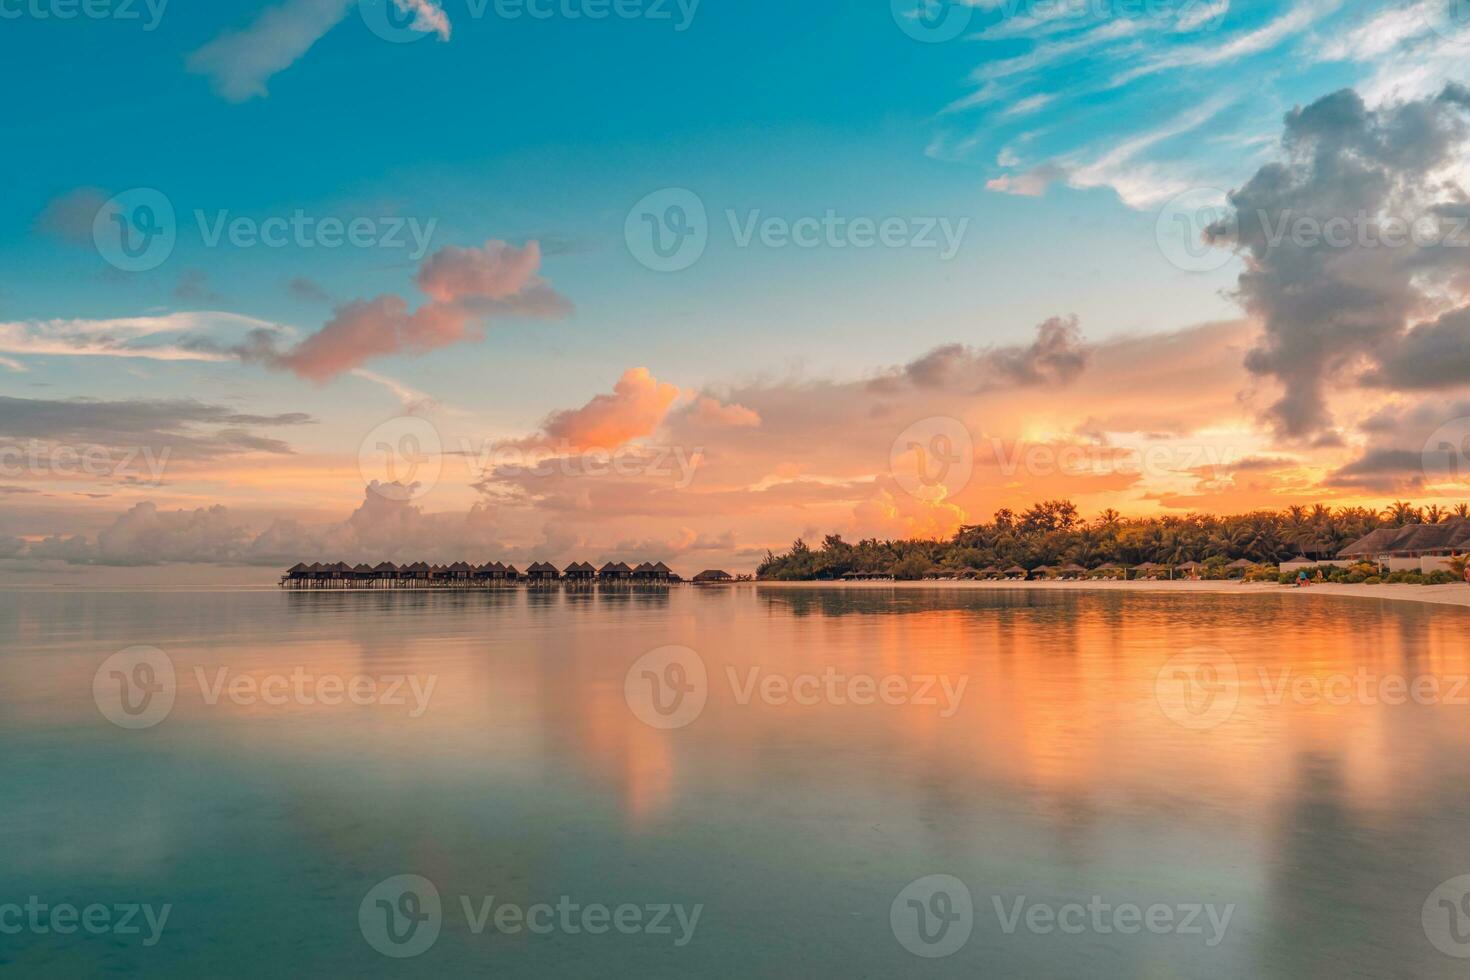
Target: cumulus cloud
column 1331, row 304
column 466, row 288
column 635, row 408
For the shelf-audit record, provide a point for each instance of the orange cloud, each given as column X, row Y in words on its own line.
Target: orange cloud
column 637, row 407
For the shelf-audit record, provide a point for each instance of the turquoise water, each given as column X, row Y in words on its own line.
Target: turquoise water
column 1074, row 761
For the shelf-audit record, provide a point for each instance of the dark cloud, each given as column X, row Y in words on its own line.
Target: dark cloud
column 193, row 287
column 1328, row 306
column 1057, row 356
column 1433, row 355
column 70, row 216
column 185, row 427
column 307, row 291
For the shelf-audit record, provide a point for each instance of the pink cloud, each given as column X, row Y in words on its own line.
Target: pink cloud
column 711, row 412
column 466, row 287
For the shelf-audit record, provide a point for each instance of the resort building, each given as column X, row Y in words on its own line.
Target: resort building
column 614, row 572
column 542, row 571
column 1412, row 548
column 713, row 576
column 580, row 571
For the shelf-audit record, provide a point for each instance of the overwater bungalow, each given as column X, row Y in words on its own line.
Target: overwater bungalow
column 614, row 571
column 512, row 574
column 542, row 571
column 713, row 576
column 580, row 571
column 652, row 572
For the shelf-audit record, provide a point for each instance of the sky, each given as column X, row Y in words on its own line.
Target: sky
column 685, row 279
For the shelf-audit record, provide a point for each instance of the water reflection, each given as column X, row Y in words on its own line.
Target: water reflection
column 1058, row 774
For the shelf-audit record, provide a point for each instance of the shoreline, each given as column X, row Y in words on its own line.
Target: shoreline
column 1452, row 594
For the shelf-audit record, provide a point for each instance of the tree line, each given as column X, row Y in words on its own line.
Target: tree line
column 1054, row 533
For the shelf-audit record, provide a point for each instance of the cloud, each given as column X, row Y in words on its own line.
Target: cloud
column 711, row 412
column 1428, row 356
column 466, row 287
column 1330, row 305
column 170, row 337
column 239, row 63
column 1056, row 357
column 635, row 408
column 181, row 428
column 307, row 290
column 427, row 17
column 193, row 287
column 70, row 216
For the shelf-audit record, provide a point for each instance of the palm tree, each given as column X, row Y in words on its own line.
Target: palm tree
column 1462, row 511
column 1434, row 514
column 1401, row 512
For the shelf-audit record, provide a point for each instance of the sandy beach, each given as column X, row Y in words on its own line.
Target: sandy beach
column 1454, row 594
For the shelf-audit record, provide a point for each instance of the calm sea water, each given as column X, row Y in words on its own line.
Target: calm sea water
column 1034, row 784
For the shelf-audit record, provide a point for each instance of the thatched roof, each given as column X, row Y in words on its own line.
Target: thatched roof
column 713, row 575
column 1015, row 569
column 1453, row 536
column 1241, row 563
